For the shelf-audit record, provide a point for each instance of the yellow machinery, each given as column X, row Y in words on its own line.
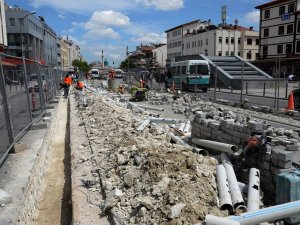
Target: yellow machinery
column 139, row 94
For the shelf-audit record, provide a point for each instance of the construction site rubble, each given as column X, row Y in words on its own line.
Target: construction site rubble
column 147, row 179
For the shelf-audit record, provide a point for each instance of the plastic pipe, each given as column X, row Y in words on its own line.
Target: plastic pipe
column 214, row 220
column 177, row 139
column 200, row 151
column 235, row 192
column 253, row 190
column 268, row 214
column 131, row 105
column 223, row 189
column 152, row 108
column 181, row 127
column 144, row 124
column 218, row 146
column 187, row 127
column 163, row 120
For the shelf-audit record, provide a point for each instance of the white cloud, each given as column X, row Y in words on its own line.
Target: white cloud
column 99, row 25
column 252, row 17
column 99, row 32
column 109, row 18
column 150, row 38
column 61, row 16
column 163, row 4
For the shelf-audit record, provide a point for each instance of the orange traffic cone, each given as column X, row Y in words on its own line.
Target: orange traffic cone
column 291, row 104
column 173, row 86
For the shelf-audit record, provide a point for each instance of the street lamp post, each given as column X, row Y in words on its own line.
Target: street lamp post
column 21, row 33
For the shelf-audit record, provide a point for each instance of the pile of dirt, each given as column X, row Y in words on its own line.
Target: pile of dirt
column 147, row 179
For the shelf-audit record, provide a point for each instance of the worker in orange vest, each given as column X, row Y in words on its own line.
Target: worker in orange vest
column 67, row 83
column 111, row 74
column 79, row 93
column 79, row 85
column 142, row 83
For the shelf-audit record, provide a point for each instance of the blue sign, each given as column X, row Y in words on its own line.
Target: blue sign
column 285, row 17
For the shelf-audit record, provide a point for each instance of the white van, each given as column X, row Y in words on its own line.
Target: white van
column 119, row 73
column 95, row 74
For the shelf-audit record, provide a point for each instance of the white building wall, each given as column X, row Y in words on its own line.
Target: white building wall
column 161, row 55
column 3, row 32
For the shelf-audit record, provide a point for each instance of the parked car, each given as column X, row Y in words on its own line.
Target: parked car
column 119, row 73
column 95, row 74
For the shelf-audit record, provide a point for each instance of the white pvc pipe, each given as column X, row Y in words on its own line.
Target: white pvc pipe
column 181, row 127
column 187, row 127
column 177, row 139
column 214, row 220
column 163, row 120
column 268, row 214
column 235, row 192
column 144, row 124
column 131, row 105
column 223, row 189
column 218, row 146
column 152, row 108
column 253, row 190
column 200, row 151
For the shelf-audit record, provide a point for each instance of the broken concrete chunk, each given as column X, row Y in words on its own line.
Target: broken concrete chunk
column 146, row 202
column 176, row 210
column 112, row 199
column 161, row 187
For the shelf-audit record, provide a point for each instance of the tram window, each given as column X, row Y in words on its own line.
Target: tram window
column 192, row 69
column 178, row 70
column 183, row 69
column 202, row 69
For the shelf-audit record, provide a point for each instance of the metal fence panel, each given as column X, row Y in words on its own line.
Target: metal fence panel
column 25, row 89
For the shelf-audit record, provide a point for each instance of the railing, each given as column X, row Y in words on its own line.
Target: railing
column 26, row 87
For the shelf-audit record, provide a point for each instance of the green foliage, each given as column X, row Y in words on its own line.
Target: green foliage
column 81, row 65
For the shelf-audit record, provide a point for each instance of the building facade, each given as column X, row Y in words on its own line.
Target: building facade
column 3, row 32
column 280, row 36
column 160, row 54
column 199, row 37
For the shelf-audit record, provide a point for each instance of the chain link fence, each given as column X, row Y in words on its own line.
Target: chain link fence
column 26, row 87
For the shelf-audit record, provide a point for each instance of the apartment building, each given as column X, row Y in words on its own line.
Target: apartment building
column 3, row 33
column 280, row 35
column 198, row 37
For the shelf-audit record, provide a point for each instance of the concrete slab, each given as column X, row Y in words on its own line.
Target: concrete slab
column 5, row 198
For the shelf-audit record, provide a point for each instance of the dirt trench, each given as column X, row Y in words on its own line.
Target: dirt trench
column 55, row 206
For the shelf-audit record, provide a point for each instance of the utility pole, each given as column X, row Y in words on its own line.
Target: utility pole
column 21, row 33
column 102, row 56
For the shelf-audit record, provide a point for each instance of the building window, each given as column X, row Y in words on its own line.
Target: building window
column 281, row 10
column 226, row 53
column 249, row 55
column 239, row 53
column 298, row 26
column 220, row 39
column 265, row 50
column 239, row 40
column 249, row 41
column 256, row 55
column 182, row 46
column 298, row 46
column 220, row 53
column 232, row 40
column 279, row 49
column 206, row 41
column 227, row 40
column 267, row 13
column 288, row 48
column 291, row 8
column 257, row 42
column 281, row 30
column 290, row 29
column 266, row 32
column 232, row 53
column 12, row 22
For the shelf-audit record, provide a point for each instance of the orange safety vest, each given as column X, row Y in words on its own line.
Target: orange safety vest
column 68, row 80
column 80, row 84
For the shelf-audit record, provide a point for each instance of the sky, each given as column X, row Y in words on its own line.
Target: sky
column 112, row 25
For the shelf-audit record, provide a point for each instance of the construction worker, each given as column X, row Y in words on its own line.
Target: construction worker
column 79, row 92
column 67, row 82
column 142, row 83
column 111, row 74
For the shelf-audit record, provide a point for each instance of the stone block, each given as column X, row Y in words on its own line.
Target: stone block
column 276, row 170
column 5, row 198
column 38, row 126
column 20, row 147
column 284, row 164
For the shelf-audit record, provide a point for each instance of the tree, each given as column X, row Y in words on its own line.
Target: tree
column 80, row 65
